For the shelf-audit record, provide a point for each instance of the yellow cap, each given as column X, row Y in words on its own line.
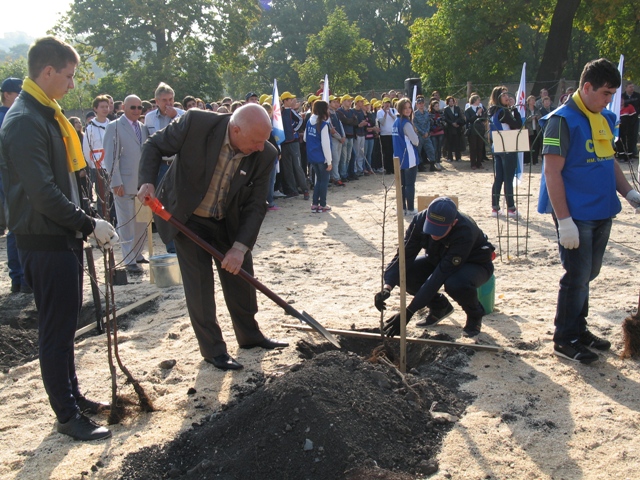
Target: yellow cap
column 262, row 98
column 313, row 98
column 386, row 99
column 286, row 96
column 346, row 97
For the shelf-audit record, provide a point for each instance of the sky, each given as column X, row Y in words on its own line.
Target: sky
column 33, row 17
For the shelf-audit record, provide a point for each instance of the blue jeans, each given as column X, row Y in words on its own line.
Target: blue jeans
column 336, row 151
column 581, row 265
column 368, row 151
column 427, row 145
column 322, row 182
column 408, row 178
column 358, row 148
column 436, row 142
column 345, row 156
column 505, row 165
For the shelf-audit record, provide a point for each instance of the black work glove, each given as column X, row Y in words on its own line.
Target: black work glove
column 392, row 325
column 380, row 298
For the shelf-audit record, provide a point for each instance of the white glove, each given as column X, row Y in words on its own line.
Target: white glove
column 633, row 197
column 568, row 234
column 105, row 234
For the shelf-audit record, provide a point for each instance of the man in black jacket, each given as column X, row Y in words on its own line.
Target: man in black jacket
column 39, row 155
column 458, row 256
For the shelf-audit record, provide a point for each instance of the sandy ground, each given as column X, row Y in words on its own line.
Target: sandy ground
column 534, row 416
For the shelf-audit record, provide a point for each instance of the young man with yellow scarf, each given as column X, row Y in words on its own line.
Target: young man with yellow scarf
column 39, row 155
column 579, row 183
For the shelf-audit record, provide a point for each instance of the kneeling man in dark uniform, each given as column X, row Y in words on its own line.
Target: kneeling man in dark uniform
column 458, row 256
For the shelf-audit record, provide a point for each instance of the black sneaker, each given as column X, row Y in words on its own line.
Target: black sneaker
column 574, row 351
column 435, row 316
column 472, row 327
column 588, row 339
column 83, row 428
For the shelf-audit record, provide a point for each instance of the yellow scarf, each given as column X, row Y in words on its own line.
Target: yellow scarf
column 75, row 159
column 600, row 130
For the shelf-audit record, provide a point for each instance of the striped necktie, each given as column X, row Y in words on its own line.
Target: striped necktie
column 136, row 127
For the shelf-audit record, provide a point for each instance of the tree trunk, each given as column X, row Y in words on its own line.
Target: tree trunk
column 557, row 47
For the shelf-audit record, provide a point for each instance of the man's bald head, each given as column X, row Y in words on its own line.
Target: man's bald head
column 132, row 107
column 249, row 128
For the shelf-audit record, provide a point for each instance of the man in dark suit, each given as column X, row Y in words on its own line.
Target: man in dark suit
column 218, row 187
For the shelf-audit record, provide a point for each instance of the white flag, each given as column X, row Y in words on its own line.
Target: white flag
column 521, row 97
column 616, row 101
column 325, row 92
column 276, row 122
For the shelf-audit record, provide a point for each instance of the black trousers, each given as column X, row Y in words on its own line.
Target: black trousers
column 386, row 145
column 56, row 280
column 196, row 266
column 462, row 286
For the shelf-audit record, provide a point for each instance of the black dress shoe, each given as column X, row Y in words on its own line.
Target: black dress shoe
column 83, row 428
column 134, row 269
column 142, row 260
column 89, row 406
column 267, row 343
column 224, row 362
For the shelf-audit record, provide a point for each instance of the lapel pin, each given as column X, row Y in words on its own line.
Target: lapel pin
column 242, row 172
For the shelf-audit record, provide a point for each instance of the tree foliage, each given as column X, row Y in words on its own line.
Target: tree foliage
column 146, row 42
column 337, row 50
column 615, row 26
column 210, row 47
column 469, row 41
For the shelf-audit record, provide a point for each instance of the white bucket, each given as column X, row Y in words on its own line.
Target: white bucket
column 166, row 271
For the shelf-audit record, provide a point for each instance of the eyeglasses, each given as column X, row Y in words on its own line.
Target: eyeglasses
column 136, row 107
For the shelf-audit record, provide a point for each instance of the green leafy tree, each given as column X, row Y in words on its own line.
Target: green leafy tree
column 148, row 42
column 13, row 68
column 469, row 41
column 338, row 51
column 615, row 26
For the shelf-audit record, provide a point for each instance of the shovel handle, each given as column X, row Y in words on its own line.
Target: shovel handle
column 157, row 208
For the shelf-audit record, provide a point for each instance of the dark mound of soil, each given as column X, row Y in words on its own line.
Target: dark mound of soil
column 334, row 416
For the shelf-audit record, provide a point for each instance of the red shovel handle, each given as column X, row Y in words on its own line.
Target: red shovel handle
column 157, row 208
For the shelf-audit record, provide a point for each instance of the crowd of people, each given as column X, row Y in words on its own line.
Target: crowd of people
column 218, row 174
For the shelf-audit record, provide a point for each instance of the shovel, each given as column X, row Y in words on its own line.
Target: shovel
column 158, row 209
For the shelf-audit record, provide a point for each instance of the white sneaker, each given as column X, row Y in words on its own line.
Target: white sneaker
column 495, row 213
column 513, row 214
column 411, row 213
column 278, row 194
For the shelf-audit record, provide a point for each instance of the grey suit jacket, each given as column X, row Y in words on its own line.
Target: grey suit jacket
column 122, row 152
column 197, row 138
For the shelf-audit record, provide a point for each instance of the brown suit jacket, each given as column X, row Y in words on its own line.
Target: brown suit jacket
column 196, row 138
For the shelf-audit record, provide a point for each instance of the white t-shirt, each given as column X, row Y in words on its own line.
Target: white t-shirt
column 92, row 147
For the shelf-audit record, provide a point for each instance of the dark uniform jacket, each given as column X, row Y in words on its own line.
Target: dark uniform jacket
column 197, row 138
column 465, row 243
column 37, row 183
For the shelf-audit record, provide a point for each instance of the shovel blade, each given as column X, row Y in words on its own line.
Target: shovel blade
column 313, row 323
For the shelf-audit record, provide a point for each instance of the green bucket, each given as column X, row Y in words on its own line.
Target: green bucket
column 487, row 295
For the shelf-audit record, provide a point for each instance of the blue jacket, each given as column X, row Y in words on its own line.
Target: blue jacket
column 589, row 181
